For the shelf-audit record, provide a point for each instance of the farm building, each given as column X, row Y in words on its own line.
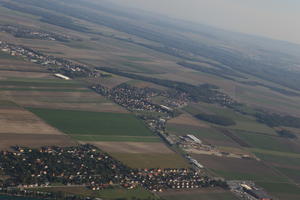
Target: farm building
column 196, row 163
column 194, row 138
column 62, row 76
column 256, row 193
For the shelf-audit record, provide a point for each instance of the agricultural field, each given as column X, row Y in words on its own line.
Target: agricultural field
column 273, row 143
column 240, row 169
column 133, row 147
column 4, row 197
column 19, row 66
column 200, row 194
column 276, row 174
column 143, row 155
column 151, row 160
column 243, row 122
column 42, row 90
column 109, row 194
column 292, row 173
column 281, row 190
column 209, row 135
column 20, row 127
column 93, row 123
column 8, row 140
column 18, row 120
column 84, row 100
column 286, row 163
column 186, row 119
column 119, row 138
column 39, row 109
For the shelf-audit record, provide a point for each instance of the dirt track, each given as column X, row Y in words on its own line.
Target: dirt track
column 133, row 147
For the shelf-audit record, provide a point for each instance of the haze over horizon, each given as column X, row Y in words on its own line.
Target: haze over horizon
column 274, row 19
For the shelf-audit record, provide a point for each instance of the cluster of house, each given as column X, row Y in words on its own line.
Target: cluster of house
column 158, row 180
column 223, row 100
column 51, row 62
column 133, row 98
column 86, row 165
column 176, row 100
column 23, row 32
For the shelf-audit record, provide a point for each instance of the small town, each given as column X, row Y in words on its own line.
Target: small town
column 54, row 64
column 23, row 32
column 149, row 100
column 132, row 98
column 86, row 165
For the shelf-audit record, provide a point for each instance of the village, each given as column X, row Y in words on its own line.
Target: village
column 132, row 98
column 37, row 172
column 87, row 166
column 22, row 32
column 54, row 64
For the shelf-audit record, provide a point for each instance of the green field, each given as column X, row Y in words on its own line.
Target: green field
column 107, row 194
column 243, row 122
column 5, row 197
column 93, row 123
column 280, row 187
column 278, row 157
column 273, row 143
column 293, row 174
column 254, row 176
column 284, row 191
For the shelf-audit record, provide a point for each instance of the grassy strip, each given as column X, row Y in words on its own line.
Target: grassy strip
column 37, row 84
column 45, row 89
column 274, row 153
column 103, row 138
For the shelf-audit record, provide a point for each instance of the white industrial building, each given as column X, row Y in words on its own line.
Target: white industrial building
column 62, row 76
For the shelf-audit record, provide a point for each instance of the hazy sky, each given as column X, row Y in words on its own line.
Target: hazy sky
column 279, row 19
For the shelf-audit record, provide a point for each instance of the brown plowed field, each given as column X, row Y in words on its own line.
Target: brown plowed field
column 87, row 101
column 9, row 64
column 20, row 121
column 21, row 74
